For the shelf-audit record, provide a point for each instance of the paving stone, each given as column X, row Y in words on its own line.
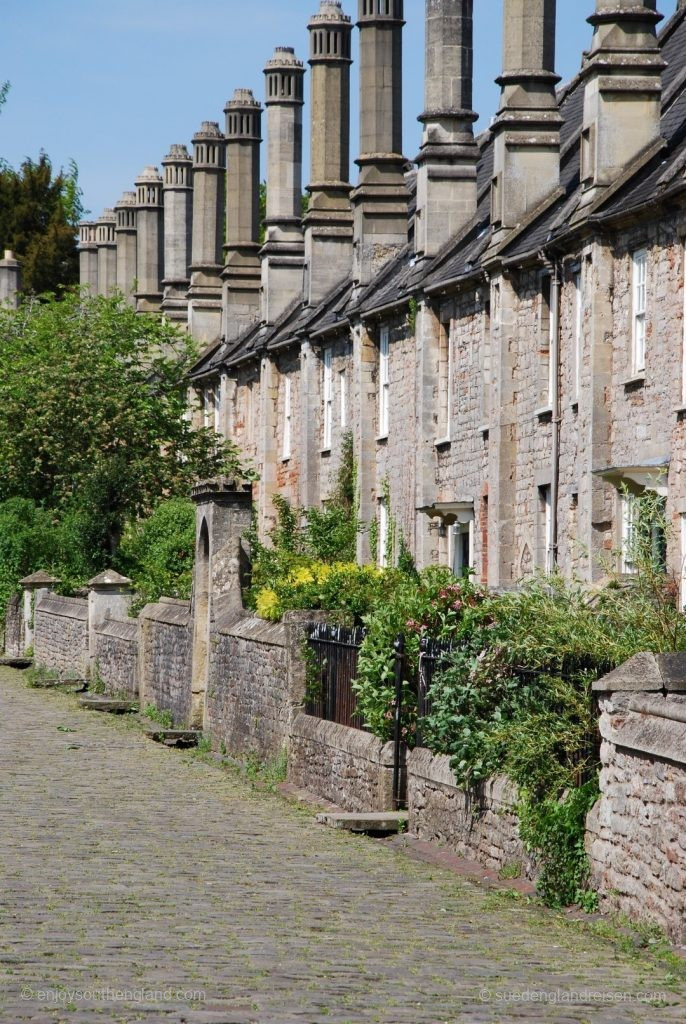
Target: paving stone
column 139, row 884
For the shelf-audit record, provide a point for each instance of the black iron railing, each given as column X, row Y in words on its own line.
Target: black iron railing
column 332, row 667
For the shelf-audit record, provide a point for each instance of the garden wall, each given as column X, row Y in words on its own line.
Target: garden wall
column 60, row 638
column 116, row 653
column 164, row 657
column 349, row 767
column 257, row 682
column 636, row 833
column 480, row 825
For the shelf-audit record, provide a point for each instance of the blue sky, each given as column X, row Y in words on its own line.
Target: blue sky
column 112, row 83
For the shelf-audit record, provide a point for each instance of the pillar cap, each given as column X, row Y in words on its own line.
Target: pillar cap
column 208, row 130
column 178, row 154
column 330, row 13
column 222, row 491
column 127, row 199
column 284, row 57
column 38, row 579
column 9, row 259
column 616, row 10
column 107, row 216
column 109, row 579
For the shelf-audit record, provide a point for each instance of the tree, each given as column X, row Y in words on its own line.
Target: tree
column 39, row 215
column 92, row 402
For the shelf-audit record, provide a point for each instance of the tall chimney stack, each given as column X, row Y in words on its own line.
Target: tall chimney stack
column 150, row 251
column 623, row 91
column 380, row 200
column 88, row 256
column 209, row 184
column 107, row 252
column 329, row 219
column 126, row 235
column 526, row 131
column 446, row 182
column 178, row 218
column 284, row 250
column 242, row 274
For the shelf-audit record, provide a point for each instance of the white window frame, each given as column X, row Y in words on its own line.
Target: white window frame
column 217, row 408
column 578, row 329
column 287, row 412
column 639, row 302
column 382, row 554
column 327, row 397
column 384, row 382
column 207, row 407
column 343, row 393
column 445, row 377
column 546, row 497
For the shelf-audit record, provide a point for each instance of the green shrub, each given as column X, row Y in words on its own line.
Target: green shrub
column 157, row 552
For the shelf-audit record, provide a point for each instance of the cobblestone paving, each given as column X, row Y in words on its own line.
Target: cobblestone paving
column 139, row 884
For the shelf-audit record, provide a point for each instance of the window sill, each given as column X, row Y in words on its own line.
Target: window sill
column 381, row 438
column 285, row 458
column 680, row 410
column 325, row 451
column 544, row 413
column 637, row 381
column 442, row 442
column 485, row 428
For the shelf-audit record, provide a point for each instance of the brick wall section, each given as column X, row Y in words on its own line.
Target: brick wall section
column 116, row 652
column 164, row 658
column 61, row 634
column 14, row 627
column 481, row 826
column 636, row 833
column 349, row 767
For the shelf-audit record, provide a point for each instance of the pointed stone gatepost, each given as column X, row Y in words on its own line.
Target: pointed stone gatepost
column 10, row 280
column 224, row 515
column 35, row 588
column 109, row 597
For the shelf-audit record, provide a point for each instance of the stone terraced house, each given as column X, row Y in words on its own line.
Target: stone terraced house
column 500, row 324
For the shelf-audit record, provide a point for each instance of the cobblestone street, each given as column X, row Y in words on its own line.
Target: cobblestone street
column 140, row 884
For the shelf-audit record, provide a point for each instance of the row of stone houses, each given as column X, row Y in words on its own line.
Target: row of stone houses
column 501, row 326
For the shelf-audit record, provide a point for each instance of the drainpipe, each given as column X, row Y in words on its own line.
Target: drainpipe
column 555, row 289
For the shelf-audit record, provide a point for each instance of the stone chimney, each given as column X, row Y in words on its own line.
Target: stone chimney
column 178, row 218
column 329, row 220
column 526, row 131
column 284, row 250
column 150, row 257
column 446, row 182
column 209, row 184
column 381, row 198
column 126, row 236
column 623, row 89
column 10, row 280
column 107, row 252
column 88, row 256
column 242, row 274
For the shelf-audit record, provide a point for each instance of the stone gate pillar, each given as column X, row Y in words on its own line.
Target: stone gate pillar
column 35, row 588
column 109, row 597
column 224, row 513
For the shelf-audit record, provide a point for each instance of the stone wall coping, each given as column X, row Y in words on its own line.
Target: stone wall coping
column 647, row 672
column 258, row 630
column 120, row 630
column 65, row 607
column 649, row 729
column 435, row 768
column 342, row 738
column 171, row 614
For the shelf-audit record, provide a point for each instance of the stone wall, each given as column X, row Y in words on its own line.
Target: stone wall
column 480, row 826
column 61, row 634
column 116, row 653
column 636, row 833
column 257, row 683
column 349, row 767
column 164, row 657
column 14, row 627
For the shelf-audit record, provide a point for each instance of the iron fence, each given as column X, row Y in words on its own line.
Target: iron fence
column 332, row 667
column 432, row 658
